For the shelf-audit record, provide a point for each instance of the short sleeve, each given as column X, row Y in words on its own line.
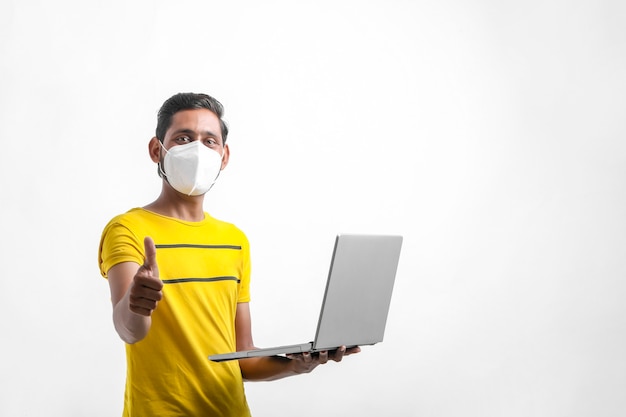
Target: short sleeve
column 118, row 244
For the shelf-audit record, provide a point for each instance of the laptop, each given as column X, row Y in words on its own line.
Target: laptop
column 356, row 301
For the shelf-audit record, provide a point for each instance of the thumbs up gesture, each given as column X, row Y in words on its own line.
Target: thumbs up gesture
column 146, row 288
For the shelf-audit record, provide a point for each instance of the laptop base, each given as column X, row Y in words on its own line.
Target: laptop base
column 280, row 350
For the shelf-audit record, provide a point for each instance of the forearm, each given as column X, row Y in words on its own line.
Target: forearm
column 267, row 368
column 130, row 326
column 277, row 367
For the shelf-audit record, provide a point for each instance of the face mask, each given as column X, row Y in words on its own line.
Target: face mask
column 191, row 169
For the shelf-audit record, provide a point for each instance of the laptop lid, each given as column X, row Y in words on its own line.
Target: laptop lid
column 358, row 291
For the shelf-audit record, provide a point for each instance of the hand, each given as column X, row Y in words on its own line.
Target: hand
column 145, row 291
column 307, row 361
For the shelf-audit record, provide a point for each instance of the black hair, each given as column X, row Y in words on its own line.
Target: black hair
column 188, row 101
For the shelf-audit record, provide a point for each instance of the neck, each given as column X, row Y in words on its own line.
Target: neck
column 171, row 203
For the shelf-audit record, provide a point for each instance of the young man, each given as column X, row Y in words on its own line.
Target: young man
column 179, row 280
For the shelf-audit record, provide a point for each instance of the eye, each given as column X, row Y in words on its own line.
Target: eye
column 210, row 142
column 183, row 139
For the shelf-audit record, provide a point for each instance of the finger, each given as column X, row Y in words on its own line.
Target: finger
column 146, row 283
column 145, row 292
column 147, row 287
column 352, row 351
column 141, row 310
column 307, row 357
column 323, row 357
column 142, row 306
column 150, row 301
column 338, row 356
column 150, row 254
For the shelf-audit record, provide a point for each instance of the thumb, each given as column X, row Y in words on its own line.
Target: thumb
column 150, row 254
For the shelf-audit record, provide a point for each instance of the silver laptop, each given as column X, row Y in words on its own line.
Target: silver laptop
column 356, row 301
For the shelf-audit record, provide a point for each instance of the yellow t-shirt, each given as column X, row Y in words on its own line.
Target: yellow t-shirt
column 205, row 268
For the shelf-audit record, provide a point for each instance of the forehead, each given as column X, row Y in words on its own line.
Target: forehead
column 196, row 120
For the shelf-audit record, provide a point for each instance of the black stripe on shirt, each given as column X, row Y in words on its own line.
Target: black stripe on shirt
column 183, row 280
column 189, row 245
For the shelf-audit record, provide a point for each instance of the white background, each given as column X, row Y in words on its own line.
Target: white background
column 489, row 133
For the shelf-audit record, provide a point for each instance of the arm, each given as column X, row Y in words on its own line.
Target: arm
column 276, row 367
column 257, row 369
column 135, row 293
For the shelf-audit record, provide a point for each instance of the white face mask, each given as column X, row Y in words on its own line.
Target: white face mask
column 191, row 169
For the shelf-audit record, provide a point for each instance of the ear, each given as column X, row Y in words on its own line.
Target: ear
column 226, row 157
column 154, row 148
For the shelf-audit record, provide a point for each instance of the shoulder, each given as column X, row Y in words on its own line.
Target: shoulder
column 222, row 225
column 131, row 226
column 121, row 241
column 225, row 228
column 134, row 215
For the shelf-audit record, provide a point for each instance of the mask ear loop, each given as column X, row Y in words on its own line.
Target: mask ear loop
column 159, row 164
column 220, row 171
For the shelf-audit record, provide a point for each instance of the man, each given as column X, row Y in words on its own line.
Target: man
column 179, row 280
